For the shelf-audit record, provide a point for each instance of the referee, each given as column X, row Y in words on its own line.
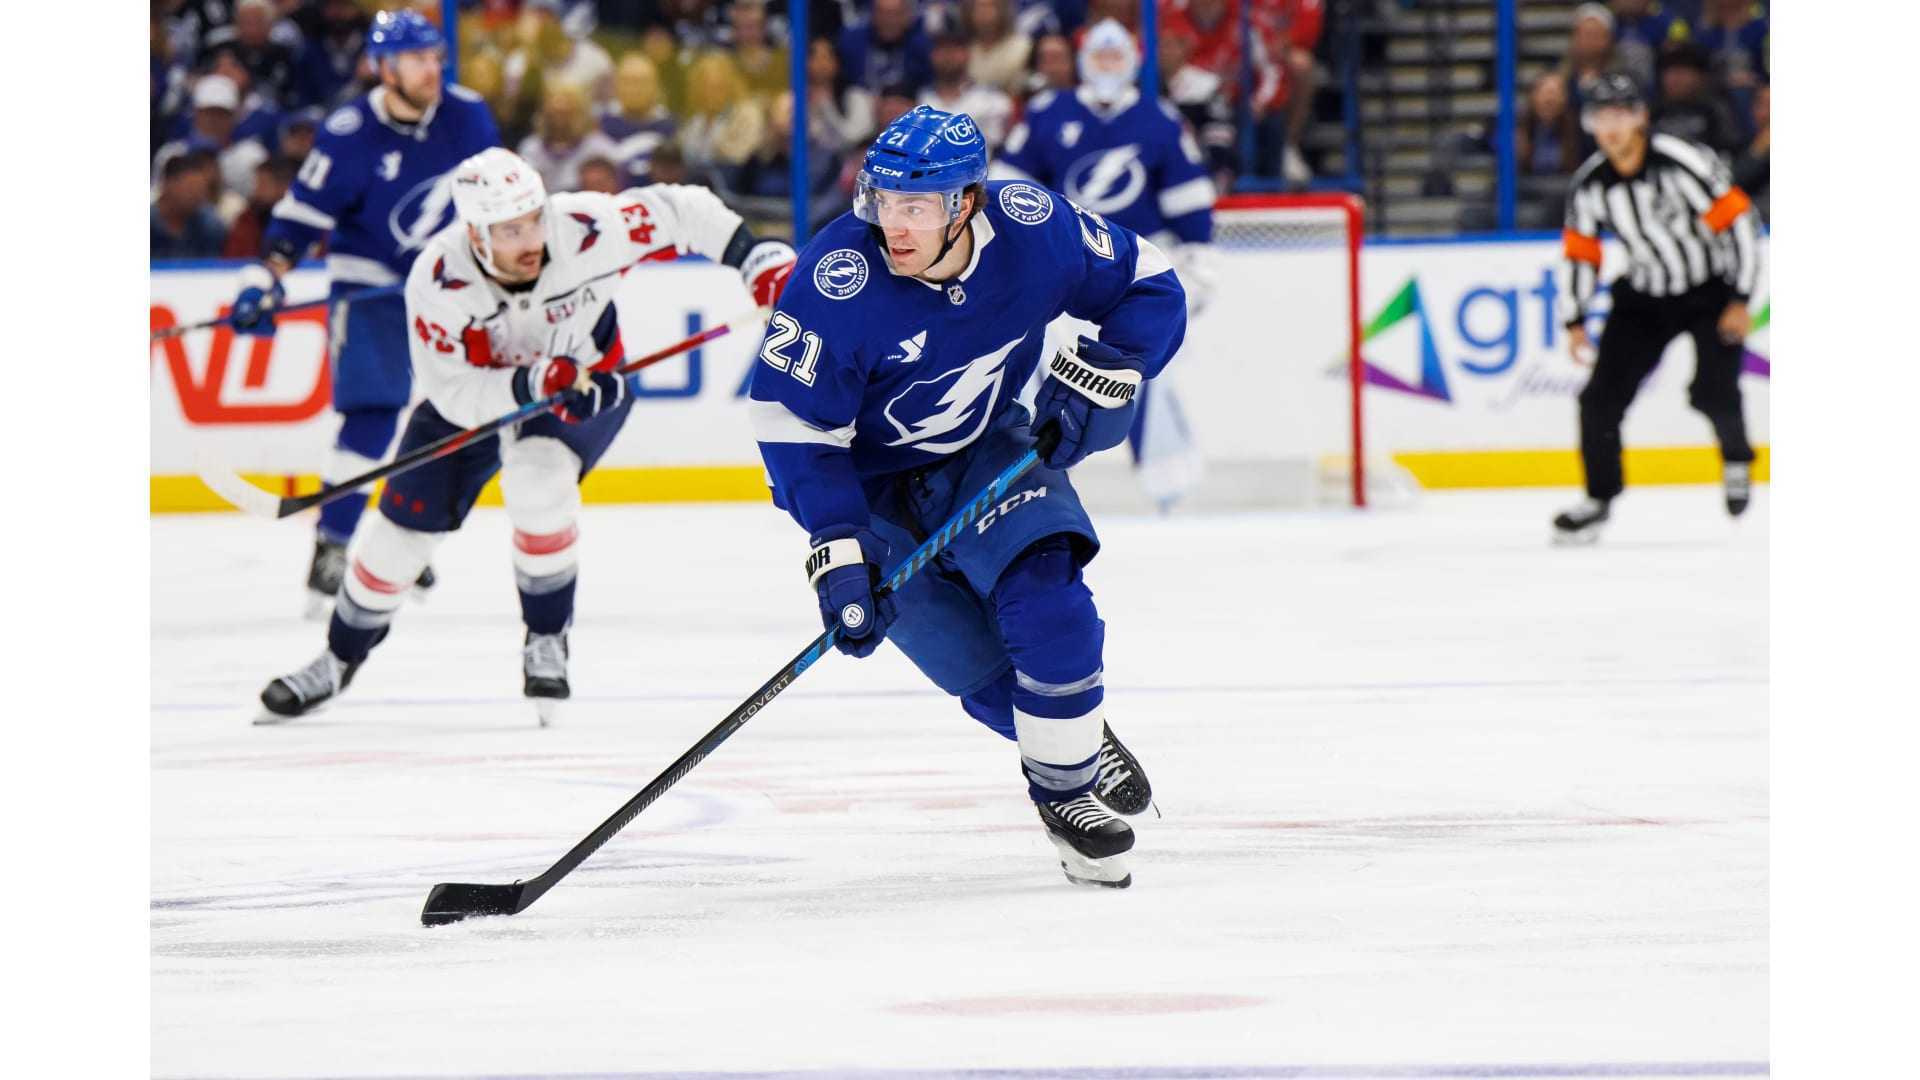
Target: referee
column 1691, row 239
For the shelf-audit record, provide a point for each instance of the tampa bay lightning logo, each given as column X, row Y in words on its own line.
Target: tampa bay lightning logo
column 839, row 274
column 960, row 131
column 1026, row 204
column 1107, row 181
column 425, row 209
column 953, row 407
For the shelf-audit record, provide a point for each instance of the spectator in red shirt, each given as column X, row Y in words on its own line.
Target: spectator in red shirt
column 1280, row 56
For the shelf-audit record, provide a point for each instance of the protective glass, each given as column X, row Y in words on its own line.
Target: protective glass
column 915, row 210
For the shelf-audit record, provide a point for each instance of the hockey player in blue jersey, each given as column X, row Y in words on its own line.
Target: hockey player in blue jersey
column 886, row 394
column 374, row 188
column 1131, row 160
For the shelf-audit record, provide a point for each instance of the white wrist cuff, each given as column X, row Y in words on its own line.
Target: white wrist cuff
column 833, row 555
column 1107, row 388
column 257, row 276
column 765, row 255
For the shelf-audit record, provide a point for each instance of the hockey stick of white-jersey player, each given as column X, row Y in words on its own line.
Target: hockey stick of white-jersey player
column 234, row 488
column 449, row 903
column 273, row 313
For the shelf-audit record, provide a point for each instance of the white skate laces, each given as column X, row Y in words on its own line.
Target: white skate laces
column 1113, row 768
column 1084, row 813
column 546, row 656
column 318, row 679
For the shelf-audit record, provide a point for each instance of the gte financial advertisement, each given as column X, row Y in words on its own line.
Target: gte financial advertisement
column 1462, row 347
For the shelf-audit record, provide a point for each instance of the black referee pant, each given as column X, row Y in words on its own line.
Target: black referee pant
column 1638, row 331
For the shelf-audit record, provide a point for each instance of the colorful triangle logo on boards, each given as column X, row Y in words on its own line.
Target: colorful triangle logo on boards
column 1378, row 339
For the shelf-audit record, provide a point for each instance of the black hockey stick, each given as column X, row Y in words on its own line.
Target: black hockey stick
column 449, row 903
column 234, row 488
column 273, row 313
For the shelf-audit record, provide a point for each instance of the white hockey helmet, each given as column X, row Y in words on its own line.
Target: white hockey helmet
column 492, row 186
column 1108, row 80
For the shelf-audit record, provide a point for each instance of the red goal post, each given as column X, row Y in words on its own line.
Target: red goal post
column 1319, row 236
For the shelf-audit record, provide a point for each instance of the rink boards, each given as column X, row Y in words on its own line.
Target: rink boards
column 1469, row 382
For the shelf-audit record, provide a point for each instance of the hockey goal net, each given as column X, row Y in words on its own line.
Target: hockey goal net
column 1265, row 395
column 1273, row 379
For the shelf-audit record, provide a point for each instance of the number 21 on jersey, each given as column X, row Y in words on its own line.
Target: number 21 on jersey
column 782, row 332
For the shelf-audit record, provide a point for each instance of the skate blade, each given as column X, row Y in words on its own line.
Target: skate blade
column 1577, row 538
column 268, row 718
column 547, row 709
column 1110, row 872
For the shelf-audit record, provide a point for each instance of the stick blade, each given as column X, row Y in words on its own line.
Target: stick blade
column 450, row 903
column 231, row 486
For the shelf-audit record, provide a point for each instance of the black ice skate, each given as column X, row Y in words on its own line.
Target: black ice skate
column 324, row 575
column 305, row 690
column 1580, row 524
column 1090, row 840
column 1123, row 785
column 1738, row 477
column 544, row 663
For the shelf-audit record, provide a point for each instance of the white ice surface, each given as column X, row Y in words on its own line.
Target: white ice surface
column 1435, row 794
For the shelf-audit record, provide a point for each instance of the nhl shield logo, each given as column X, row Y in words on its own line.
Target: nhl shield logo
column 840, row 274
column 1026, row 204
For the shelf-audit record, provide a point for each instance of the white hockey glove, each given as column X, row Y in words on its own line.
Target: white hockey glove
column 1198, row 271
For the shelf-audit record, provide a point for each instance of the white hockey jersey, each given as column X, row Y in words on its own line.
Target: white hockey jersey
column 468, row 332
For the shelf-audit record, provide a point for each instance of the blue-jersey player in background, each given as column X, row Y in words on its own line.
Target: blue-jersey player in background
column 374, row 188
column 885, row 396
column 1131, row 160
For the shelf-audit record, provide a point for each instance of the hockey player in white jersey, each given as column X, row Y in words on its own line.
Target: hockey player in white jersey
column 1131, row 160
column 512, row 303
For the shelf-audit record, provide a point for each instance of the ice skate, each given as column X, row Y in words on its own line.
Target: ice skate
column 301, row 692
column 1738, row 478
column 1579, row 524
column 324, row 574
column 1092, row 842
column 544, row 663
column 1123, row 784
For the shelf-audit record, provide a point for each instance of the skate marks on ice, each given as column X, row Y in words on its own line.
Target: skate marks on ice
column 1671, row 1070
column 1435, row 795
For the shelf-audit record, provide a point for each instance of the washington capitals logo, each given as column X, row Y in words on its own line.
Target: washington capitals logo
column 593, row 230
column 440, row 275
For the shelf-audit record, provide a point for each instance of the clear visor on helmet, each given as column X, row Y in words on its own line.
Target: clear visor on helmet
column 914, row 210
column 527, row 228
column 1598, row 118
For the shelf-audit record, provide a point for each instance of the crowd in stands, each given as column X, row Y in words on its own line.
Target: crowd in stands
column 604, row 95
column 1702, row 64
column 610, row 94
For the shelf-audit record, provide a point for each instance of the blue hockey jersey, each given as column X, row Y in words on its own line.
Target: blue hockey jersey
column 864, row 374
column 1135, row 164
column 379, row 186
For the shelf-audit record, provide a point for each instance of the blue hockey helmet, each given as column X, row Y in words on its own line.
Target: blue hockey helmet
column 405, row 30
column 924, row 152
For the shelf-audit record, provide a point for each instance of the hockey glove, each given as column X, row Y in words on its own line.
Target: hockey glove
column 843, row 570
column 766, row 270
column 260, row 293
column 587, row 394
column 1090, row 397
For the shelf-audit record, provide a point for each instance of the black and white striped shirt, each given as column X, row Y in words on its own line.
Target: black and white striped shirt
column 1683, row 222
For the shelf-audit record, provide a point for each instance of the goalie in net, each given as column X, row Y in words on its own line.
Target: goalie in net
column 1272, row 286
